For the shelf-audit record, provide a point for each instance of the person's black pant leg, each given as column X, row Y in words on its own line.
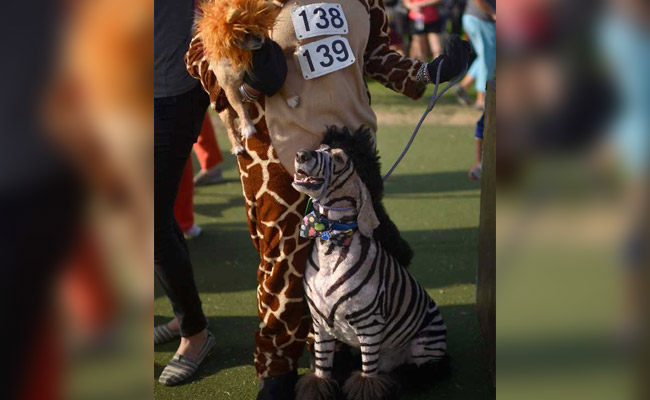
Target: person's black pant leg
column 177, row 124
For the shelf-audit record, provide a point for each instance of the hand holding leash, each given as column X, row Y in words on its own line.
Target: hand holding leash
column 456, row 56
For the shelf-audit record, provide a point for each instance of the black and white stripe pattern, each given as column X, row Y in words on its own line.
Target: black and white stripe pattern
column 339, row 177
column 369, row 301
column 180, row 368
column 162, row 334
column 360, row 294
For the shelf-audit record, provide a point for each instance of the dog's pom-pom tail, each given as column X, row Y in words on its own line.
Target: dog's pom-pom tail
column 293, row 101
column 378, row 387
column 312, row 387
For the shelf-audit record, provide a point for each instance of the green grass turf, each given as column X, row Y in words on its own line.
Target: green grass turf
column 432, row 202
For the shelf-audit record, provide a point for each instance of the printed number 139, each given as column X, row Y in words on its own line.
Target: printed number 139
column 339, row 50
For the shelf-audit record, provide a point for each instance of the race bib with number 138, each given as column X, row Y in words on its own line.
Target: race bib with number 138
column 318, row 20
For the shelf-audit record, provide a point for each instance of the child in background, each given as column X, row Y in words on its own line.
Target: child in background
column 427, row 24
column 479, row 22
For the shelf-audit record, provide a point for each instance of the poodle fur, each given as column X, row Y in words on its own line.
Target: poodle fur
column 378, row 387
column 360, row 146
column 312, row 387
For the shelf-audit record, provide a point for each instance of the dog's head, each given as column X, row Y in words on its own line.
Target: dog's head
column 232, row 28
column 366, row 183
column 329, row 176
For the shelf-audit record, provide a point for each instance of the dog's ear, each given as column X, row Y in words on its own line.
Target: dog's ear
column 233, row 15
column 268, row 6
column 367, row 219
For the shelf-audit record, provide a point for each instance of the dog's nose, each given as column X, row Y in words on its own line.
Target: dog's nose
column 303, row 156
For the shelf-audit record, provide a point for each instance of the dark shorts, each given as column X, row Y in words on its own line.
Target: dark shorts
column 437, row 26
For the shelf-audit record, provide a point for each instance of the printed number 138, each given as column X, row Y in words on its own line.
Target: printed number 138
column 324, row 22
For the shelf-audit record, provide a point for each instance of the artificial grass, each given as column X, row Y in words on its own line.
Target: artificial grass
column 430, row 199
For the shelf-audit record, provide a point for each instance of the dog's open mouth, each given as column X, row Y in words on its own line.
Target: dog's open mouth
column 309, row 182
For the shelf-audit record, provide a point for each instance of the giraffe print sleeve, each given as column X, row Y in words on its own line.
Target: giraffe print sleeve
column 198, row 67
column 386, row 66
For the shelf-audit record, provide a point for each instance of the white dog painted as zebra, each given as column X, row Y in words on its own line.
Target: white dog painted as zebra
column 356, row 290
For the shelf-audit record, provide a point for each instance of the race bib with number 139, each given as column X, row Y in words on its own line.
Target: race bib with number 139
column 324, row 56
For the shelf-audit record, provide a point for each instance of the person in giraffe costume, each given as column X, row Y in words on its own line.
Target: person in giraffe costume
column 321, row 52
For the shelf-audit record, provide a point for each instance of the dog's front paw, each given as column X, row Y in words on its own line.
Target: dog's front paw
column 312, row 387
column 293, row 101
column 377, row 387
column 248, row 131
column 238, row 150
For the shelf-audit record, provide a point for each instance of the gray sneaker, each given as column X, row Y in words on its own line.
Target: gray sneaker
column 209, row 177
column 463, row 98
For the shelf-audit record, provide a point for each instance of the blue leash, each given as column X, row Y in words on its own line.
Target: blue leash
column 432, row 102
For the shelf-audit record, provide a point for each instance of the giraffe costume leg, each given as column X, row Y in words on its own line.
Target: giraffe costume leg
column 274, row 210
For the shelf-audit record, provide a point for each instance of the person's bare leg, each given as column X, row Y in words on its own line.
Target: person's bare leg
column 412, row 47
column 435, row 44
column 475, row 171
column 190, row 346
column 173, row 324
column 467, row 81
column 418, row 47
column 480, row 100
column 398, row 48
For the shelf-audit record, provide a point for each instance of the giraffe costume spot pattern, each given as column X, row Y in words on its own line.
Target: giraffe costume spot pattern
column 274, row 209
column 273, row 212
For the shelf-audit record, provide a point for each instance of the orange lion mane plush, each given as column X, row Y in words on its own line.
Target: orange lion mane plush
column 227, row 24
column 230, row 30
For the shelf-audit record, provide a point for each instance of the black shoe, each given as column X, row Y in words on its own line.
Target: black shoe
column 278, row 387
